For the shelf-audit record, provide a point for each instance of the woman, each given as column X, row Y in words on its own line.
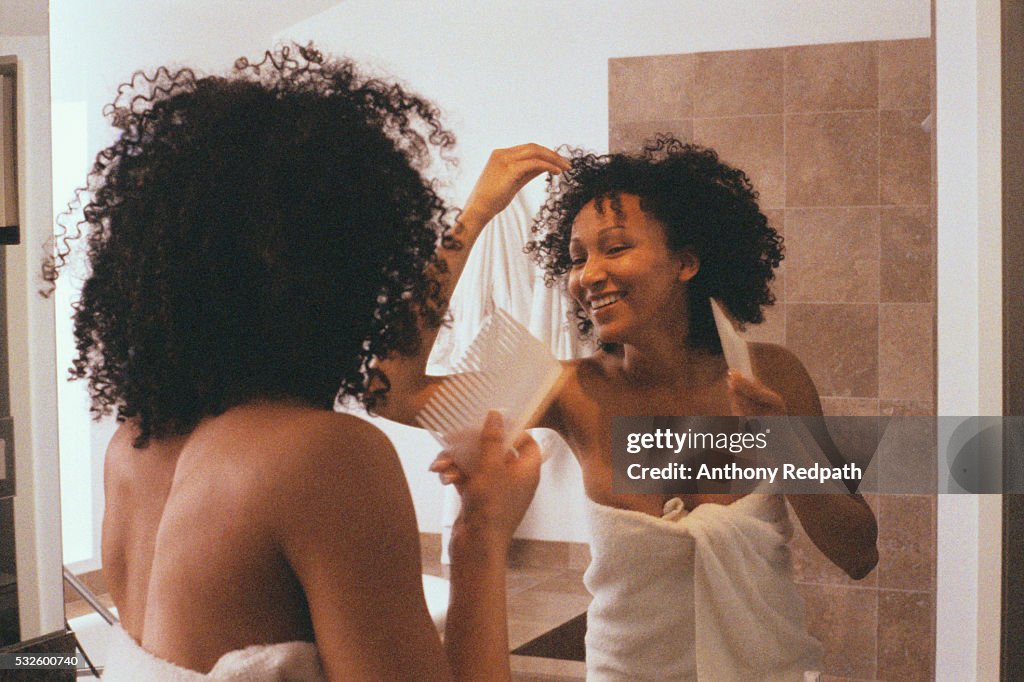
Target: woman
column 255, row 242
column 642, row 243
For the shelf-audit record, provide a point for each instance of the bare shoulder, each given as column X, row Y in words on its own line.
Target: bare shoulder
column 594, row 367
column 579, row 377
column 315, row 434
column 773, row 358
column 118, row 461
column 124, row 437
column 297, row 449
column 781, row 370
column 136, row 485
column 338, row 509
column 314, row 481
column 121, row 476
column 277, row 463
column 131, row 473
column 340, row 512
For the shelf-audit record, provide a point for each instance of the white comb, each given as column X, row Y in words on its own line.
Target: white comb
column 737, row 355
column 506, row 369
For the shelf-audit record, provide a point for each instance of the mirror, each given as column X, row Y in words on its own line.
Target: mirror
column 825, row 107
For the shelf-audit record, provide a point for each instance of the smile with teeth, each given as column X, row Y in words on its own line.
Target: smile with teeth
column 604, row 301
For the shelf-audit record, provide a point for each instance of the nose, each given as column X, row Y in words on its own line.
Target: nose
column 593, row 274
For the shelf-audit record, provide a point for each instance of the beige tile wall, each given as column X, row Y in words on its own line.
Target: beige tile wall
column 831, row 138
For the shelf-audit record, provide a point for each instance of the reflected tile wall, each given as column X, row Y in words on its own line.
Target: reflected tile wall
column 650, row 88
column 759, row 141
column 739, row 83
column 832, row 139
column 832, row 159
column 831, row 77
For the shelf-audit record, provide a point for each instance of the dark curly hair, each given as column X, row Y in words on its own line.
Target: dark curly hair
column 705, row 205
column 264, row 235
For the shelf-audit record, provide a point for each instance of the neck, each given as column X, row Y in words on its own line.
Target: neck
column 670, row 359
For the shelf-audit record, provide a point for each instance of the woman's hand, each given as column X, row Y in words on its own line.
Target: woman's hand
column 750, row 398
column 498, row 492
column 506, row 172
column 494, row 498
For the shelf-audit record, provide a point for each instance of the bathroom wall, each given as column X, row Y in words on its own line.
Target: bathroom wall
column 832, row 138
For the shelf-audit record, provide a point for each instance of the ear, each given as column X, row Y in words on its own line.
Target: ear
column 689, row 265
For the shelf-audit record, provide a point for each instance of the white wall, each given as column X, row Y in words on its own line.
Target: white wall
column 969, row 324
column 30, row 334
column 80, row 526
column 537, row 71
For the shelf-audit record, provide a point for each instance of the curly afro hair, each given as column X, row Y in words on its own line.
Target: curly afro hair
column 261, row 236
column 705, row 205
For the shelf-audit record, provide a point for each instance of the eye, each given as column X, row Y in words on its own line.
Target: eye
column 617, row 249
column 578, row 261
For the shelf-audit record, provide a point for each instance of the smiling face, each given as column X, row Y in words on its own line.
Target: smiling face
column 623, row 273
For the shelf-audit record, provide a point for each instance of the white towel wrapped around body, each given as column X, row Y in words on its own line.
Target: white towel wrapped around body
column 126, row 661
column 705, row 595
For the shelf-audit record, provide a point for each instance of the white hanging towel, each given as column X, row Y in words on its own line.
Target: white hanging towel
column 498, row 274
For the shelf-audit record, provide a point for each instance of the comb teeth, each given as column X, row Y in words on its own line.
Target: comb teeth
column 505, row 368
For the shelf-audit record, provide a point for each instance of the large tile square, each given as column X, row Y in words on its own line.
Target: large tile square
column 832, row 159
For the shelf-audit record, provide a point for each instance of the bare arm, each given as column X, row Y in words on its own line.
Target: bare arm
column 347, row 530
column 346, row 526
column 494, row 499
column 506, row 172
column 843, row 527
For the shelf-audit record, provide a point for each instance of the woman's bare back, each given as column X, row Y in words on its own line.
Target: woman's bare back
column 187, row 551
column 266, row 524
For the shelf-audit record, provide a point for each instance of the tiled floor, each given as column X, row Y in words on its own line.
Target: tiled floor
column 539, row 600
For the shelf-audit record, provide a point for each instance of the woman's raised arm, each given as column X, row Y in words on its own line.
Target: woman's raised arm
column 506, row 172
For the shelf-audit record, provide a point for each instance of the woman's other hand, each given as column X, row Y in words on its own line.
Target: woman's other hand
column 498, row 492
column 495, row 496
column 506, row 172
column 751, row 398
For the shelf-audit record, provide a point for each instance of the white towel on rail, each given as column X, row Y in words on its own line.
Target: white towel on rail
column 498, row 274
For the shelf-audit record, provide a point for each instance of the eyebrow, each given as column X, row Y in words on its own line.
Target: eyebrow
column 601, row 233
